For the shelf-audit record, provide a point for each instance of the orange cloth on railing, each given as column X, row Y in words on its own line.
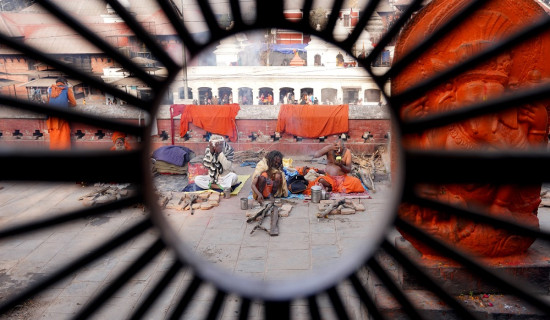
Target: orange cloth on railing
column 219, row 119
column 313, row 121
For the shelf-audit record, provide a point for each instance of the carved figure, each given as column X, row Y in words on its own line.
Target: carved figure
column 521, row 127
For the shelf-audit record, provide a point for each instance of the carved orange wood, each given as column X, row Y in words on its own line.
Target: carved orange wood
column 521, row 127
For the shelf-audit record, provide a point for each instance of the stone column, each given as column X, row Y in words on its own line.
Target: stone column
column 216, row 92
column 255, row 94
column 195, row 92
column 339, row 95
column 235, row 94
column 297, row 94
column 277, row 95
column 317, row 94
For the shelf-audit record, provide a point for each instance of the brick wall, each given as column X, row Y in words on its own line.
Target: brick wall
column 26, row 133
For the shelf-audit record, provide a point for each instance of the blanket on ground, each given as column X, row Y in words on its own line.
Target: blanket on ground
column 176, row 155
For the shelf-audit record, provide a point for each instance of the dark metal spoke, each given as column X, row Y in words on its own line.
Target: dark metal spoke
column 477, row 216
column 97, row 41
column 422, row 87
column 269, row 13
column 236, row 12
column 313, row 308
column 427, row 281
column 497, row 104
column 366, row 299
column 398, row 66
column 144, row 36
column 71, row 115
column 336, row 7
column 186, row 298
column 95, row 82
column 394, row 30
column 121, row 280
column 366, row 15
column 306, row 9
column 509, row 285
column 210, row 19
column 78, row 165
column 216, row 305
column 477, row 166
column 177, row 23
column 275, row 310
column 394, row 289
column 244, row 309
column 337, row 303
column 39, row 224
column 157, row 290
column 76, row 265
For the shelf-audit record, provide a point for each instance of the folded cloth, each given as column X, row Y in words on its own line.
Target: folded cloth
column 219, row 119
column 248, row 164
column 311, row 175
column 313, row 121
column 168, row 168
column 177, row 155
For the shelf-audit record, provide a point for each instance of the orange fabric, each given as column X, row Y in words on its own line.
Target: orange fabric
column 175, row 110
column 219, row 119
column 268, row 187
column 341, row 184
column 303, row 173
column 118, row 135
column 60, row 134
column 313, row 121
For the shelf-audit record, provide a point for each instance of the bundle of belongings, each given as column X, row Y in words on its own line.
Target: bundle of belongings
column 172, row 160
column 299, row 179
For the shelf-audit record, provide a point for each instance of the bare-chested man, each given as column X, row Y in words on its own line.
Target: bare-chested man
column 337, row 169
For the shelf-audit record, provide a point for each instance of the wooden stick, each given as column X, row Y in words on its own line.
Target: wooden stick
column 274, row 230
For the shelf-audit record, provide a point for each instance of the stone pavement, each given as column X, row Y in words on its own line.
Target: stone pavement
column 220, row 235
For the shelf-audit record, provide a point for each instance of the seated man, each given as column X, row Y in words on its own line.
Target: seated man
column 337, row 169
column 268, row 179
column 218, row 159
column 120, row 143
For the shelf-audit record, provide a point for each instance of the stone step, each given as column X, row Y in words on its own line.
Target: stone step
column 485, row 306
column 532, row 269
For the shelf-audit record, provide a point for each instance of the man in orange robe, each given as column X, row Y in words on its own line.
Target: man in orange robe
column 62, row 96
column 336, row 178
column 120, row 143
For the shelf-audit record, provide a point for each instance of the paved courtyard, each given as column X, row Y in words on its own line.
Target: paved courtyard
column 220, row 235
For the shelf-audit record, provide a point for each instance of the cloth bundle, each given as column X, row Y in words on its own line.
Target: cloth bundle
column 172, row 160
column 164, row 167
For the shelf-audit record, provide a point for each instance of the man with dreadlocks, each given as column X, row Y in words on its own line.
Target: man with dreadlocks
column 218, row 159
column 268, row 179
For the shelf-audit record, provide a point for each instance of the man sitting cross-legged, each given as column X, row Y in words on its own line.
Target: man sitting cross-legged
column 337, row 169
column 268, row 180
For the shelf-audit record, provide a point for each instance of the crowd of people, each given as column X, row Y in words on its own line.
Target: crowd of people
column 269, row 179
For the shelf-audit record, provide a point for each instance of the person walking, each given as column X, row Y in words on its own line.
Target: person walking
column 62, row 96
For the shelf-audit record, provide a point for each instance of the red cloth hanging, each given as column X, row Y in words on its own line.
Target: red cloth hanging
column 313, row 121
column 175, row 110
column 218, row 119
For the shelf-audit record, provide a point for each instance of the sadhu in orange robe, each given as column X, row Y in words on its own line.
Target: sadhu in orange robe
column 341, row 184
column 60, row 95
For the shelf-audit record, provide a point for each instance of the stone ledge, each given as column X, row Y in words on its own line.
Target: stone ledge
column 533, row 269
column 487, row 307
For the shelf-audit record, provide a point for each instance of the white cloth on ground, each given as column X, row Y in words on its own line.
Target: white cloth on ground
column 226, row 181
